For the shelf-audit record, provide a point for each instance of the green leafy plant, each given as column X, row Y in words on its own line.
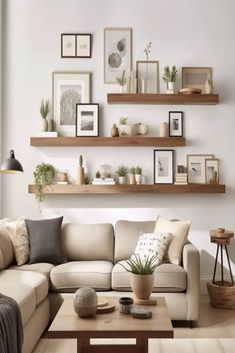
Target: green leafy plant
column 80, row 160
column 123, row 120
column 133, row 170
column 122, row 80
column 44, row 174
column 122, row 170
column 44, row 109
column 138, row 170
column 140, row 267
column 170, row 74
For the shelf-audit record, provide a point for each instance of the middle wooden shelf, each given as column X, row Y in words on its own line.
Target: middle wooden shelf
column 107, row 141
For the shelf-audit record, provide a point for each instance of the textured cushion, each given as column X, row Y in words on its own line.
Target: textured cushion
column 23, row 295
column 126, row 237
column 167, row 278
column 18, row 233
column 44, row 238
column 152, row 244
column 179, row 231
column 87, row 242
column 43, row 268
column 36, row 281
column 73, row 275
column 6, row 247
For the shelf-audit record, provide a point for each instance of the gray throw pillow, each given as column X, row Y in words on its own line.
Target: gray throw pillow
column 44, row 238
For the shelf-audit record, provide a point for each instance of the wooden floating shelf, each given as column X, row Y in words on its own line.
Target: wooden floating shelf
column 124, row 189
column 132, row 98
column 107, row 141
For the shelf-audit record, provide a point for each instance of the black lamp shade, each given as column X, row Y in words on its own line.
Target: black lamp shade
column 11, row 165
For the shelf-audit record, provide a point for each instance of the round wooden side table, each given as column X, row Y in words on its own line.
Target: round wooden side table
column 222, row 292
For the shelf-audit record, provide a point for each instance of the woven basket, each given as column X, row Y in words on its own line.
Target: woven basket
column 222, row 296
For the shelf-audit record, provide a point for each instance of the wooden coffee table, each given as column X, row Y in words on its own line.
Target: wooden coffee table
column 111, row 325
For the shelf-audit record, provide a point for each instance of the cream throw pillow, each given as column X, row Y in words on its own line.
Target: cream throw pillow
column 18, row 233
column 152, row 244
column 179, row 231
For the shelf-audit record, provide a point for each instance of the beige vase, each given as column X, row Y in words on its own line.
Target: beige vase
column 142, row 285
column 132, row 179
column 80, row 175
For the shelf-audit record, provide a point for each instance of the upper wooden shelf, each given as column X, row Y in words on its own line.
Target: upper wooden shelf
column 123, row 189
column 107, row 141
column 132, row 98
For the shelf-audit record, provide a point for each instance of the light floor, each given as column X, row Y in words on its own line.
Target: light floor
column 214, row 333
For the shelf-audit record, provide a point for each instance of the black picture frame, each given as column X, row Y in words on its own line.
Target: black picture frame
column 176, row 115
column 163, row 179
column 74, row 49
column 82, row 131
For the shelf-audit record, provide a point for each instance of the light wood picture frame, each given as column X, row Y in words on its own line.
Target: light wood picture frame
column 149, row 69
column 196, row 77
column 196, row 167
column 212, row 171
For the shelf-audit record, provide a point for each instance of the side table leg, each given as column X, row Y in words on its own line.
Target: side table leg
column 83, row 345
column 230, row 270
column 216, row 259
column 142, row 344
column 222, row 264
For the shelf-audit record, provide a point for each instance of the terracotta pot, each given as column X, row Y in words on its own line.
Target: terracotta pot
column 80, row 175
column 114, row 131
column 142, row 285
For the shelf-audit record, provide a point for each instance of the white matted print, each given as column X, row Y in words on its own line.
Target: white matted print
column 68, row 45
column 176, row 124
column 87, row 119
column 196, row 168
column 148, row 70
column 117, row 53
column 163, row 166
column 83, row 45
column 212, row 171
column 69, row 88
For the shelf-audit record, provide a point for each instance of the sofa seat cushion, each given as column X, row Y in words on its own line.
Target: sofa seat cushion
column 167, row 278
column 40, row 267
column 73, row 275
column 24, row 296
column 36, row 281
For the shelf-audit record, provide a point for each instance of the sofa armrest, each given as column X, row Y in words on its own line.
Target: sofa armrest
column 191, row 264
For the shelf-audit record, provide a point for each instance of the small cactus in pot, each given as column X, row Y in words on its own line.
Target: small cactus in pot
column 138, row 175
column 44, row 111
column 122, row 173
column 132, row 176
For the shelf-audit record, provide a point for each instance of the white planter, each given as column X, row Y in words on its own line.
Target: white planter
column 171, row 87
column 125, row 130
column 138, row 178
column 141, row 129
column 123, row 89
column 122, row 180
column 44, row 125
column 132, row 179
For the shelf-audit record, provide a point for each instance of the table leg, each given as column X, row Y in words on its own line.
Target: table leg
column 142, row 344
column 230, row 270
column 83, row 345
column 222, row 265
column 216, row 259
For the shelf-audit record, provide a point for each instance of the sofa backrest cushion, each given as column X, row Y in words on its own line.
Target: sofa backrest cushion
column 6, row 247
column 87, row 242
column 126, row 236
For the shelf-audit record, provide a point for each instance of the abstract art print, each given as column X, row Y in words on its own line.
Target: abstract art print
column 87, row 120
column 117, row 53
column 196, row 166
column 163, row 166
column 175, row 124
column 69, row 88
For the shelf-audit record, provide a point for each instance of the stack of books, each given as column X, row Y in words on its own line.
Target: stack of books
column 181, row 179
column 101, row 181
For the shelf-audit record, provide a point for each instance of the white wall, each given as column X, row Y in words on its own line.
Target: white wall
column 184, row 33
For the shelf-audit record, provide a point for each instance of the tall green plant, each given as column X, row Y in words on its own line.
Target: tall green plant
column 139, row 267
column 44, row 109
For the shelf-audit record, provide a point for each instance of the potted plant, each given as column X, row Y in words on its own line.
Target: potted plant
column 142, row 275
column 132, row 175
column 145, row 79
column 80, row 172
column 169, row 77
column 122, row 173
column 124, row 128
column 44, row 111
column 44, row 174
column 122, row 82
column 138, row 175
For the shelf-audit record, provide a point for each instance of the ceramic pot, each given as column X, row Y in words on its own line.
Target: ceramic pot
column 80, row 175
column 44, row 125
column 142, row 285
column 171, row 87
column 122, row 180
column 164, row 130
column 125, row 130
column 132, row 179
column 138, row 179
column 208, row 86
column 85, row 302
column 114, row 131
column 141, row 129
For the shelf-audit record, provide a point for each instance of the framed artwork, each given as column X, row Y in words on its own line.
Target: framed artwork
column 176, row 124
column 117, row 53
column 212, row 171
column 196, row 167
column 149, row 69
column 196, row 77
column 87, row 119
column 75, row 45
column 68, row 89
column 163, row 166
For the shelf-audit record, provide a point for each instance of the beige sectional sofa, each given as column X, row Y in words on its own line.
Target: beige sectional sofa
column 94, row 252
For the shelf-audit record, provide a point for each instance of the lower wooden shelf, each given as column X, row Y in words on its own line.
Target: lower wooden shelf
column 123, row 189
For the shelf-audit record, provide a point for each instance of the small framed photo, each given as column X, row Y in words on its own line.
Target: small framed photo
column 176, row 124
column 163, row 166
column 68, row 88
column 87, row 120
column 196, row 77
column 117, row 53
column 196, row 165
column 75, row 45
column 149, row 69
column 212, row 171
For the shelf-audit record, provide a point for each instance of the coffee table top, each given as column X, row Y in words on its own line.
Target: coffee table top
column 68, row 325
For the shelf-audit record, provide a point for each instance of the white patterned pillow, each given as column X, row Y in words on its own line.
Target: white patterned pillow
column 152, row 244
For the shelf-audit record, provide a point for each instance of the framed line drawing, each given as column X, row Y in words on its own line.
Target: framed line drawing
column 117, row 53
column 75, row 45
column 176, row 124
column 68, row 89
column 87, row 119
column 150, row 70
column 196, row 167
column 163, row 166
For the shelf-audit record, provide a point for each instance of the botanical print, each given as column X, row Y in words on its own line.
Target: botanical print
column 69, row 96
column 83, row 45
column 163, row 166
column 68, row 45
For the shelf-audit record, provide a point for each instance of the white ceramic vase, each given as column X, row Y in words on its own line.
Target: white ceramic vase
column 163, row 130
column 138, row 178
column 122, row 180
column 145, row 85
column 132, row 179
column 125, row 130
column 208, row 86
column 171, row 87
column 44, row 125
